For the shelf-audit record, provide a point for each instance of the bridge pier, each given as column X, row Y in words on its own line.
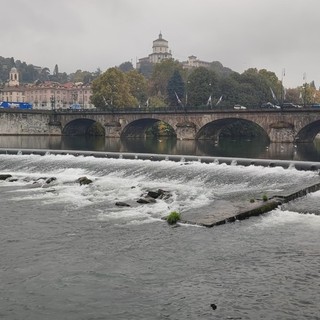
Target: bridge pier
column 186, row 131
column 282, row 132
column 112, row 129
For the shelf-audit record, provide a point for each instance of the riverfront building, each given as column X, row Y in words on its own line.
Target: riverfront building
column 46, row 95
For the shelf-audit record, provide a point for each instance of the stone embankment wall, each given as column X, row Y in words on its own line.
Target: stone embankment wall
column 28, row 123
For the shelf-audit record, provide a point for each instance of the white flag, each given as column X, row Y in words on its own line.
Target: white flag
column 209, row 101
column 179, row 101
column 220, row 99
column 105, row 101
column 273, row 95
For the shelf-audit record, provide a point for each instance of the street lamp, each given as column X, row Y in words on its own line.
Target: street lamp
column 53, row 101
column 305, row 89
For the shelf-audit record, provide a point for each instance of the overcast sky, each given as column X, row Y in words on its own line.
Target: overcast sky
column 90, row 34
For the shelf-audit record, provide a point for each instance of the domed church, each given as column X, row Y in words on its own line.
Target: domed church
column 160, row 51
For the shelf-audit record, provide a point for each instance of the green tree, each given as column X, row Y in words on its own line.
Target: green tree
column 162, row 72
column 254, row 87
column 293, row 95
column 44, row 74
column 201, row 84
column 219, row 69
column 156, row 102
column 81, row 76
column 175, row 89
column 56, row 70
column 112, row 90
column 146, row 69
column 126, row 66
column 228, row 89
column 138, row 86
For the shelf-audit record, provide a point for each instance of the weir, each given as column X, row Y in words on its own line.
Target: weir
column 298, row 165
column 220, row 211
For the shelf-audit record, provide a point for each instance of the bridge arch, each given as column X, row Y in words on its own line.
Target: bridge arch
column 83, row 127
column 137, row 128
column 309, row 132
column 213, row 129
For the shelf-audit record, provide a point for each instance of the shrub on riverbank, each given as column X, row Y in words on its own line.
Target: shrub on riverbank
column 173, row 217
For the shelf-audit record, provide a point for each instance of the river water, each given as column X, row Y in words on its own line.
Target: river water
column 68, row 252
column 244, row 148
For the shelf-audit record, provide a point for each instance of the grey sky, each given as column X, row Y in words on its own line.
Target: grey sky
column 82, row 34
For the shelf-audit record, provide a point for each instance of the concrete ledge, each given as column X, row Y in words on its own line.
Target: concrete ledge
column 299, row 165
column 222, row 211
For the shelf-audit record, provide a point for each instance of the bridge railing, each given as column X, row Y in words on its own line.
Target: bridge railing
column 187, row 109
column 201, row 109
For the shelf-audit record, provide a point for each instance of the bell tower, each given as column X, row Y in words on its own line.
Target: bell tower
column 13, row 78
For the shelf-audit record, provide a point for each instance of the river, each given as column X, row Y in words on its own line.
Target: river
column 227, row 147
column 68, row 252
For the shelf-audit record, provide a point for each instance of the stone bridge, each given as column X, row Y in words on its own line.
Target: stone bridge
column 296, row 125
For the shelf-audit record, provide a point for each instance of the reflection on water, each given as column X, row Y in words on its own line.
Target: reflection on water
column 227, row 147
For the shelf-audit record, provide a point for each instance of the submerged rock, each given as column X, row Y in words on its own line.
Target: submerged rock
column 84, row 181
column 161, row 194
column 5, row 176
column 49, row 180
column 146, row 200
column 122, row 204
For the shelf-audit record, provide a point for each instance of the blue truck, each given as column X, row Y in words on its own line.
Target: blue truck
column 15, row 105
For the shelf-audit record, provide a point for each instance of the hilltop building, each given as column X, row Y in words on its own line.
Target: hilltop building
column 193, row 62
column 160, row 51
column 46, row 95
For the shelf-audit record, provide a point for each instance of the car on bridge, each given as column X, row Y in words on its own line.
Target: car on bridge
column 289, row 105
column 239, row 107
column 269, row 105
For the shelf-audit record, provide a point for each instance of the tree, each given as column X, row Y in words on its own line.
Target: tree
column 112, row 90
column 126, row 66
column 44, row 74
column 56, row 70
column 219, row 69
column 293, row 95
column 146, row 69
column 254, row 87
column 175, row 89
column 162, row 72
column 201, row 85
column 81, row 76
column 228, row 89
column 138, row 86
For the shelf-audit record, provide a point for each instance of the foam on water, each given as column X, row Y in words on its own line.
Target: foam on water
column 280, row 217
column 192, row 185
